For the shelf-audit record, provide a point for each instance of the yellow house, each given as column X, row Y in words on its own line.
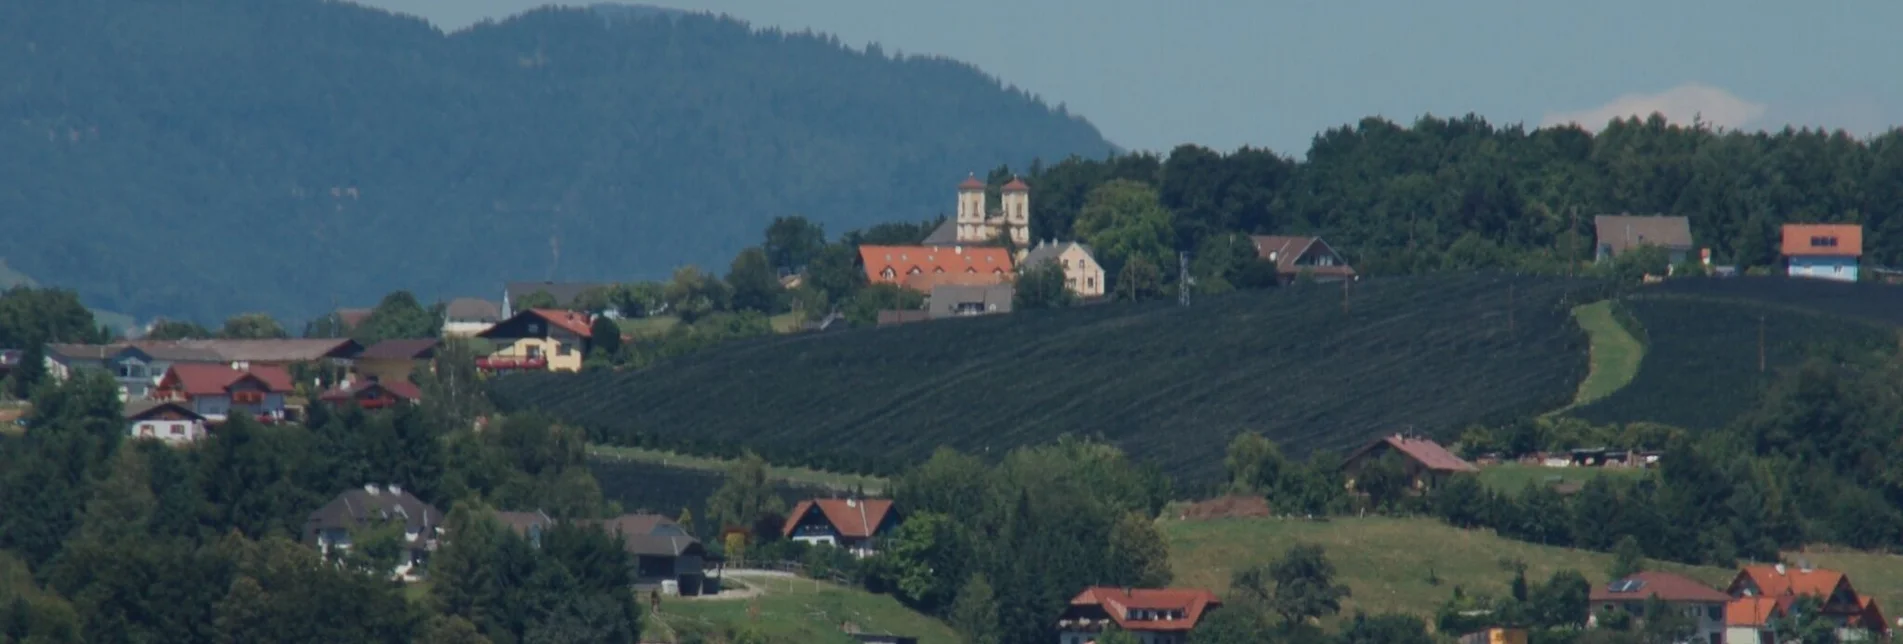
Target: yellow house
column 538, row 339
column 393, row 360
column 1082, row 273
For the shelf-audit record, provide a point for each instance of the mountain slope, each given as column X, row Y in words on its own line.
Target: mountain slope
column 216, row 156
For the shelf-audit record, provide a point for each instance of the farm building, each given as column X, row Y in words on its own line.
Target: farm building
column 1619, row 233
column 1823, row 251
column 1425, row 462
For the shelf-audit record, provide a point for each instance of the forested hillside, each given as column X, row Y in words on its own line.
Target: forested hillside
column 208, row 157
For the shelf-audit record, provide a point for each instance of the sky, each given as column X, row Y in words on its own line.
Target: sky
column 1275, row 73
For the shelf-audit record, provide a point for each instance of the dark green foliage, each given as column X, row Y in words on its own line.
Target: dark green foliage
column 399, row 315
column 1168, row 384
column 176, row 330
column 659, row 488
column 1701, row 367
column 31, row 316
column 1041, row 287
column 754, row 285
column 351, row 128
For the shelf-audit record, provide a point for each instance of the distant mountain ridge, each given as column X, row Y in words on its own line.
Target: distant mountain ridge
column 220, row 156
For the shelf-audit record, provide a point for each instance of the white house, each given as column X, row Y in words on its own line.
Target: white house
column 1702, row 605
column 850, row 523
column 330, row 527
column 170, row 422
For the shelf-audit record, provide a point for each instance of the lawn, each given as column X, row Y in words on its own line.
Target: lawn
column 794, row 475
column 1513, row 477
column 797, row 611
column 1385, row 562
column 1615, row 353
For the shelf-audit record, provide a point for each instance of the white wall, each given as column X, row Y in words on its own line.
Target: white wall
column 170, row 431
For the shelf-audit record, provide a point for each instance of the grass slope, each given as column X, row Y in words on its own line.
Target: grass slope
column 1701, row 367
column 1385, row 562
column 797, row 611
column 1168, row 384
column 1616, row 354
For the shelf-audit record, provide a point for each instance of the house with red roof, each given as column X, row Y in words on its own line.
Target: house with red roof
column 851, row 523
column 1822, row 251
column 372, row 393
column 1764, row 592
column 538, row 340
column 1425, row 462
column 1294, row 256
column 1154, row 615
column 921, row 267
column 217, row 391
column 1702, row 605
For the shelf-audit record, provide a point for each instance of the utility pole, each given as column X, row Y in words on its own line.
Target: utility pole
column 1344, row 296
column 1182, row 278
column 1510, row 308
column 1760, row 343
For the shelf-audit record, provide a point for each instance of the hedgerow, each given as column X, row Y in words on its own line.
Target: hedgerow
column 1170, row 385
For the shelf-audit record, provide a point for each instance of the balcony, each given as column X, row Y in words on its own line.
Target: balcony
column 505, row 364
column 375, row 403
column 247, row 397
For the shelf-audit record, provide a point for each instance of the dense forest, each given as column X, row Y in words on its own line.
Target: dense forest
column 213, row 157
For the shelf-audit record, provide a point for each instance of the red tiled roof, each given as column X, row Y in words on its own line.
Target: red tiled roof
column 1286, row 249
column 1426, row 452
column 1755, row 611
column 576, row 323
column 925, row 281
column 855, row 521
column 934, row 260
column 399, row 388
column 1797, row 240
column 1791, row 581
column 1016, row 185
column 971, row 183
column 205, row 379
column 1117, row 602
column 1666, row 586
column 400, row 349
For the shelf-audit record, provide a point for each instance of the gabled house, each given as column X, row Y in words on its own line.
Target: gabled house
column 330, row 527
column 1082, row 274
column 372, row 393
column 281, row 352
column 393, row 360
column 1823, row 251
column 910, row 266
column 851, row 523
column 950, row 301
column 170, row 422
column 538, row 340
column 1153, row 615
column 1703, row 606
column 136, row 367
column 1616, row 234
column 1424, row 462
column 217, row 391
column 666, row 557
column 1761, row 592
column 1295, row 256
column 565, row 294
column 464, row 317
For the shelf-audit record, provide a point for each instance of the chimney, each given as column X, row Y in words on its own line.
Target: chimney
column 1779, row 568
column 371, row 489
column 394, row 489
column 851, row 502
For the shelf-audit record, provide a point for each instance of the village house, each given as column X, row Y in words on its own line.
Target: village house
column 135, row 368
column 921, row 267
column 1153, row 615
column 330, row 527
column 170, row 422
column 1823, row 251
column 1763, row 593
column 1617, row 234
column 464, row 317
column 394, row 360
column 372, row 393
column 1082, row 274
column 951, row 300
column 976, row 224
column 1297, row 256
column 566, row 294
column 538, row 340
column 1701, row 605
column 1424, row 462
column 217, row 391
column 853, row 524
column 667, row 559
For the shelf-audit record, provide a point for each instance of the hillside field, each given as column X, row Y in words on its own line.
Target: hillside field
column 1170, row 385
column 1881, row 303
column 794, row 611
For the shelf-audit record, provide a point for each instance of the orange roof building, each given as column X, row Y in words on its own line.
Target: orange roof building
column 1767, row 592
column 921, row 267
column 1822, row 251
column 851, row 523
column 1138, row 610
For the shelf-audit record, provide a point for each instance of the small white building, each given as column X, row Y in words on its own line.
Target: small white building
column 170, row 422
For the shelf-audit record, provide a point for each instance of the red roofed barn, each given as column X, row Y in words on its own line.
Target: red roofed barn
column 215, row 391
column 853, row 524
column 1154, row 615
column 1425, row 462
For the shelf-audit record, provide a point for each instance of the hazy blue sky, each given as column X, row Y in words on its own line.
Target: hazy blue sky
column 1154, row 74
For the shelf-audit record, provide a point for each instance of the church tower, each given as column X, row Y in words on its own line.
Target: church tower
column 971, row 209
column 1016, row 199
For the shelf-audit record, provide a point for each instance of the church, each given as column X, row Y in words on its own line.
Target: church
column 974, row 224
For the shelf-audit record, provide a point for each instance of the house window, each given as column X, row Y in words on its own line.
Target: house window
column 176, row 430
column 888, row 273
column 1090, row 282
column 915, row 270
column 535, row 328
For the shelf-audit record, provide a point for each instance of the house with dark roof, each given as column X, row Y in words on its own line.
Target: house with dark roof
column 1154, row 615
column 667, row 559
column 1823, row 251
column 1702, row 605
column 921, row 267
column 136, row 367
column 851, row 523
column 1082, row 274
column 950, row 300
column 565, row 294
column 217, row 391
column 1761, row 593
column 1295, row 256
column 280, row 351
column 465, row 317
column 1424, row 461
column 1616, row 234
column 371, row 506
column 372, row 393
column 393, row 360
column 170, row 422
column 538, row 340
